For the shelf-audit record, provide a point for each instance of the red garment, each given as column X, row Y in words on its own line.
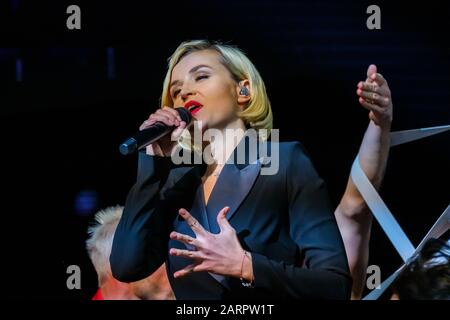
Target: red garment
column 98, row 295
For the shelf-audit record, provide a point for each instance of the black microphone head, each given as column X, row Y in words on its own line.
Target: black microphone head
column 128, row 147
column 185, row 115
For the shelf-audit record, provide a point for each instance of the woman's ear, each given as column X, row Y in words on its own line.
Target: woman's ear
column 243, row 93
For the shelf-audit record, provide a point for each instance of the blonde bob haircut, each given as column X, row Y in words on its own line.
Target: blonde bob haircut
column 258, row 112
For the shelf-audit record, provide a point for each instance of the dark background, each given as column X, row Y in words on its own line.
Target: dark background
column 65, row 114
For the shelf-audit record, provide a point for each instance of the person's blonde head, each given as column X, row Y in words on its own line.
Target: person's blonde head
column 258, row 113
column 101, row 235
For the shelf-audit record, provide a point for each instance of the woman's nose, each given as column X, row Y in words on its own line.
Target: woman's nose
column 187, row 90
column 185, row 94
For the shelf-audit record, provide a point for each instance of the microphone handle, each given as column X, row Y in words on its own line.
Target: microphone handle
column 145, row 137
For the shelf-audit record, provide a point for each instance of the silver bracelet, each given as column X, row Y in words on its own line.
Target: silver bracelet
column 245, row 283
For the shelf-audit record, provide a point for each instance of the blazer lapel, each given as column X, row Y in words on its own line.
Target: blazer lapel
column 230, row 190
column 236, row 179
column 191, row 187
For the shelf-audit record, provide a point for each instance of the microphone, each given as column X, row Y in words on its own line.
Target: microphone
column 151, row 134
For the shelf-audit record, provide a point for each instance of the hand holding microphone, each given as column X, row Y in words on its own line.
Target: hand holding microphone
column 159, row 132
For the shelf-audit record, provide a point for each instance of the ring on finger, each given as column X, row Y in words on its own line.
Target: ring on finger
column 193, row 224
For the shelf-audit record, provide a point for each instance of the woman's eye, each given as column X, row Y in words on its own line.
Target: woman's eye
column 201, row 77
column 175, row 93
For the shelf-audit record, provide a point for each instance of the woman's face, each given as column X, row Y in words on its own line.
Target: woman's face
column 202, row 84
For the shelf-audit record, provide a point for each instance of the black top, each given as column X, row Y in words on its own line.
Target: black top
column 285, row 220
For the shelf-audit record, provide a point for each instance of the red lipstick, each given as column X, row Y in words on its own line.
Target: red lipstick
column 193, row 106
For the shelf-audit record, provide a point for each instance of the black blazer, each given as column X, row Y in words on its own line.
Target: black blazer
column 285, row 220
